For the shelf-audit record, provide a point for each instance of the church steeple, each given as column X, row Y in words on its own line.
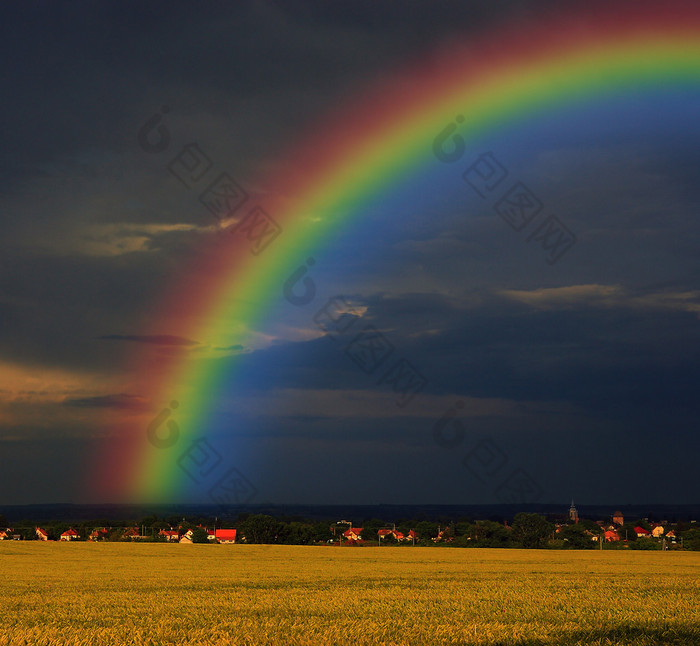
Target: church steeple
column 573, row 512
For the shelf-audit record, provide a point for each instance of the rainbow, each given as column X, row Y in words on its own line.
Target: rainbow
column 501, row 79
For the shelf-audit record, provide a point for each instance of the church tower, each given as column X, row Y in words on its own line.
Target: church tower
column 573, row 513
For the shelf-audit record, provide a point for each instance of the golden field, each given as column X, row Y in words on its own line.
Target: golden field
column 144, row 594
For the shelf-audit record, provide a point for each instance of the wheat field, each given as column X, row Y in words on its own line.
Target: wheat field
column 147, row 594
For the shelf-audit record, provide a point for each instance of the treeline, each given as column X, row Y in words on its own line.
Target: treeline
column 525, row 531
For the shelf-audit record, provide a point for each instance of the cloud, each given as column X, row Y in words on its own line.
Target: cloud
column 381, row 404
column 121, row 401
column 573, row 295
column 604, row 296
column 154, row 339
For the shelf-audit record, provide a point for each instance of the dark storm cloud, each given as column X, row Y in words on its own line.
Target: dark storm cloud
column 604, row 346
column 600, row 351
column 158, row 339
column 120, row 401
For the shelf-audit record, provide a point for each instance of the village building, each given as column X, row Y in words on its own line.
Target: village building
column 383, row 533
column 443, row 535
column 618, row 518
column 641, row 532
column 69, row 535
column 573, row 513
column 131, row 533
column 353, row 534
column 611, row 536
column 41, row 534
column 225, row 536
column 98, row 534
column 170, row 534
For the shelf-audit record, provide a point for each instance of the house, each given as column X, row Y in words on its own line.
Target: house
column 353, row 534
column 412, row 536
column 611, row 535
column 41, row 534
column 618, row 518
column 170, row 534
column 657, row 531
column 5, row 535
column 225, row 535
column 98, row 534
column 131, row 533
column 383, row 533
column 641, row 532
column 187, row 537
column 69, row 535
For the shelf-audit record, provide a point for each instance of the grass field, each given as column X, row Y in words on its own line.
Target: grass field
column 142, row 594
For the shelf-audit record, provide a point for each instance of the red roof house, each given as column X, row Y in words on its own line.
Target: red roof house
column 641, row 532
column 611, row 535
column 353, row 534
column 69, row 535
column 170, row 534
column 225, row 535
column 383, row 533
column 41, row 534
column 98, row 534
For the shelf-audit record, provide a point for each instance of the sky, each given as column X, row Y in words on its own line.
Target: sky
column 540, row 381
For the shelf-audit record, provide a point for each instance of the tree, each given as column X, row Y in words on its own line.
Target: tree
column 426, row 530
column 488, row 533
column 260, row 528
column 627, row 531
column 322, row 531
column 199, row 535
column 691, row 539
column 590, row 525
column 463, row 528
column 56, row 530
column 532, row 530
column 296, row 533
column 577, row 538
column 158, row 525
column 117, row 534
column 370, row 529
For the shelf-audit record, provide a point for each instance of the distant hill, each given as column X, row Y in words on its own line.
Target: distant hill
column 76, row 513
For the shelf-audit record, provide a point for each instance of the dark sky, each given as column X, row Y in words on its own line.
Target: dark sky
column 577, row 378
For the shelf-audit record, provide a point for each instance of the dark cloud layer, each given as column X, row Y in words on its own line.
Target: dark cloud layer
column 583, row 373
column 159, row 339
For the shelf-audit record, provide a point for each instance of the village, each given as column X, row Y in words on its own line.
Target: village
column 525, row 530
